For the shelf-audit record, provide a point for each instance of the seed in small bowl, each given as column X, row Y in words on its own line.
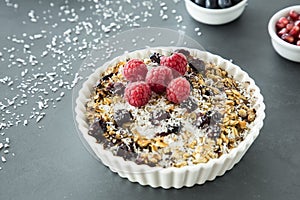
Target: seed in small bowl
column 288, row 27
column 284, row 32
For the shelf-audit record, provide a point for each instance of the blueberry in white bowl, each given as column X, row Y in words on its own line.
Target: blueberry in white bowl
column 215, row 12
column 211, row 4
column 216, row 4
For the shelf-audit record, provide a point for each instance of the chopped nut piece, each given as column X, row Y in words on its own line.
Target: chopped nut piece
column 193, row 144
column 243, row 124
column 186, row 155
column 160, row 143
column 234, row 131
column 180, row 164
column 230, row 102
column 143, row 142
column 243, row 113
column 251, row 115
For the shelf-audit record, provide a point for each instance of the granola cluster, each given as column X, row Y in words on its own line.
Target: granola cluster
column 212, row 121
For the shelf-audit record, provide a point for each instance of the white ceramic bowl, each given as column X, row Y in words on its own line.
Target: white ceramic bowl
column 283, row 48
column 215, row 16
column 170, row 177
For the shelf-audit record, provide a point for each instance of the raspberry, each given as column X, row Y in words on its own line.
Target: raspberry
column 158, row 78
column 178, row 90
column 176, row 61
column 137, row 93
column 135, row 70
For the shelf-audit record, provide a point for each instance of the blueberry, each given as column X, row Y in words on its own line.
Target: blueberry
column 216, row 118
column 211, row 4
column 224, row 3
column 214, row 132
column 202, row 120
column 156, row 117
column 190, row 104
column 210, row 118
column 197, row 65
column 97, row 129
column 122, row 116
column 184, row 52
column 125, row 151
column 116, row 88
column 155, row 58
column 119, row 88
column 234, row 2
column 200, row 2
column 107, row 144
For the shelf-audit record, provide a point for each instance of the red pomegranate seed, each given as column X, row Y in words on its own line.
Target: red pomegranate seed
column 288, row 38
column 282, row 31
column 283, row 20
column 294, row 31
column 279, row 25
column 289, row 26
column 293, row 14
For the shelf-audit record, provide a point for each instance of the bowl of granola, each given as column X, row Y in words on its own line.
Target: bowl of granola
column 169, row 116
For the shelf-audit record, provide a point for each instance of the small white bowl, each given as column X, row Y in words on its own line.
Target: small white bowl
column 215, row 16
column 283, row 48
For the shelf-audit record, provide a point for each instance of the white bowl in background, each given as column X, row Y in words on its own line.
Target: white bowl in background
column 283, row 48
column 215, row 16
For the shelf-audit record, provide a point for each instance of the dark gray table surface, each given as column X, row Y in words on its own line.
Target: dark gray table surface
column 47, row 160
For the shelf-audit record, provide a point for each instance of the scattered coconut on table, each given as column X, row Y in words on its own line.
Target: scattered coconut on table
column 45, row 75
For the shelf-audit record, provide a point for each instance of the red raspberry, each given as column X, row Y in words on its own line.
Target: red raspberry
column 178, row 90
column 176, row 61
column 137, row 93
column 135, row 70
column 158, row 78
